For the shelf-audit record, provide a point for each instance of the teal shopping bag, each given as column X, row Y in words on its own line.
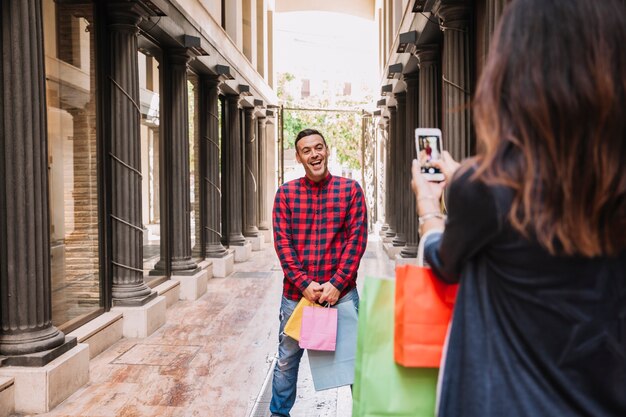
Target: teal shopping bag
column 383, row 388
column 336, row 368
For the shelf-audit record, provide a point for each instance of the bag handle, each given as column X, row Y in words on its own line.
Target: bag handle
column 422, row 243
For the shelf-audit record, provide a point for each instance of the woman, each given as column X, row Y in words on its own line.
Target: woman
column 536, row 226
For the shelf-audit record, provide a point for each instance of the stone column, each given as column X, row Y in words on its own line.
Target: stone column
column 25, row 296
column 456, row 78
column 211, row 194
column 233, row 171
column 401, row 179
column 494, row 9
column 383, row 172
column 392, row 152
column 251, row 173
column 264, row 221
column 124, row 160
column 175, row 199
column 429, row 88
column 412, row 225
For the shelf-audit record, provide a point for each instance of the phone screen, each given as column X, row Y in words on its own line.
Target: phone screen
column 430, row 150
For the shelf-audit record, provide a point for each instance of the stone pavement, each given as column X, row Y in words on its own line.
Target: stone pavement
column 213, row 357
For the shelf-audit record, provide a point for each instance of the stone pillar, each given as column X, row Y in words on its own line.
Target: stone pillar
column 233, row 171
column 25, row 296
column 401, row 173
column 494, row 9
column 211, row 194
column 251, row 173
column 429, row 88
column 456, row 78
column 383, row 177
column 175, row 183
column 392, row 152
column 125, row 158
column 264, row 221
column 412, row 224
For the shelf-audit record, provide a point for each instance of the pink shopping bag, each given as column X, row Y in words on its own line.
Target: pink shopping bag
column 319, row 328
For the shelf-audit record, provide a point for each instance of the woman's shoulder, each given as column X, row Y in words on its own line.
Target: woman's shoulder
column 468, row 188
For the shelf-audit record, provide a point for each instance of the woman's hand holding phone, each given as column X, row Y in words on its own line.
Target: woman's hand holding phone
column 447, row 165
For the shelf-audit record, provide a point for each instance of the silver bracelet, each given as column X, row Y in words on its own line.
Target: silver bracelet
column 428, row 197
column 427, row 216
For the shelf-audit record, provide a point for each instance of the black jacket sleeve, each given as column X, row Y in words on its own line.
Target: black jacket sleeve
column 473, row 221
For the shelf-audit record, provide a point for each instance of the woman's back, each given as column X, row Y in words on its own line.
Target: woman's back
column 533, row 334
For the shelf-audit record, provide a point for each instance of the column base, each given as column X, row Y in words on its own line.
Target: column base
column 100, row 333
column 39, row 359
column 7, row 396
column 224, row 266
column 267, row 234
column 134, row 302
column 387, row 239
column 400, row 260
column 169, row 289
column 391, row 250
column 257, row 242
column 194, row 286
column 243, row 253
column 409, row 251
column 38, row 390
column 143, row 320
column 399, row 240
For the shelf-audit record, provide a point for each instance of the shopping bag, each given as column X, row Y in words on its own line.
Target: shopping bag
column 383, row 388
column 331, row 369
column 319, row 328
column 422, row 315
column 293, row 325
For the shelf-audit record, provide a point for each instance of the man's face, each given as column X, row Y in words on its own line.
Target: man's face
column 312, row 153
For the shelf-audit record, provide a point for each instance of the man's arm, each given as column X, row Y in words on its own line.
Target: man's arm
column 356, row 225
column 281, row 217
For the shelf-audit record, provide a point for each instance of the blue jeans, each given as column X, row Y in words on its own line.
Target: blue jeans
column 285, row 379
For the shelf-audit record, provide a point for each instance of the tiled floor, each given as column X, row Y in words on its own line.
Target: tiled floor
column 212, row 356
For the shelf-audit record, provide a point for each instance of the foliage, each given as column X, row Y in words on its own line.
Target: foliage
column 342, row 130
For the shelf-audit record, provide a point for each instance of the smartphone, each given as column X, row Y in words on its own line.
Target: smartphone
column 428, row 147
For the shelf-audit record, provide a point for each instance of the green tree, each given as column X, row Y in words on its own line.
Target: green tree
column 342, row 130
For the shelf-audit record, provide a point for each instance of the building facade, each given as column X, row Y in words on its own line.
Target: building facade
column 432, row 53
column 137, row 161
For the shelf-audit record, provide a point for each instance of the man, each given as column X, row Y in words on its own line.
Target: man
column 320, row 234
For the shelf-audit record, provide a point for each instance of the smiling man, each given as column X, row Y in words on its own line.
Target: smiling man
column 320, row 234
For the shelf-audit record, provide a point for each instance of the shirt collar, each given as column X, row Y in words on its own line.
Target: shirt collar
column 306, row 181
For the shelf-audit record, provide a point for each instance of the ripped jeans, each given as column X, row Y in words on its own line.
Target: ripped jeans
column 285, row 379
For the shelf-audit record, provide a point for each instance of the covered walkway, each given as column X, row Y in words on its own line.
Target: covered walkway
column 213, row 355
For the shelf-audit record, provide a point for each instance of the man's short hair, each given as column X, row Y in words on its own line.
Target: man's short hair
column 308, row 132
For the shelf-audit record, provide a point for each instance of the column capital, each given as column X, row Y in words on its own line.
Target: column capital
column 454, row 14
column 411, row 77
column 211, row 81
column 234, row 98
column 400, row 96
column 179, row 56
column 427, row 55
column 128, row 13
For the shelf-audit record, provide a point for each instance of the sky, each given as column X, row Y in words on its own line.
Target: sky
column 325, row 45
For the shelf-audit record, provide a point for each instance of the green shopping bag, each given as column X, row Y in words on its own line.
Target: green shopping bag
column 382, row 387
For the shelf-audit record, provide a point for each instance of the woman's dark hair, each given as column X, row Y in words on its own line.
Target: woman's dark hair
column 305, row 133
column 550, row 116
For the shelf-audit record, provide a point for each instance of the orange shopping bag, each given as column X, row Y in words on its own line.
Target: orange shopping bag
column 423, row 310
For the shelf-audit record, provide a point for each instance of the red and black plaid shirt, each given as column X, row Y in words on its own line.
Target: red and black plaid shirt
column 320, row 233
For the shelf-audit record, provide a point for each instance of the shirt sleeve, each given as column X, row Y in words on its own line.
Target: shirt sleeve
column 472, row 223
column 281, row 217
column 356, row 226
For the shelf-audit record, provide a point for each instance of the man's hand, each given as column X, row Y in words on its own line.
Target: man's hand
column 312, row 292
column 329, row 293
